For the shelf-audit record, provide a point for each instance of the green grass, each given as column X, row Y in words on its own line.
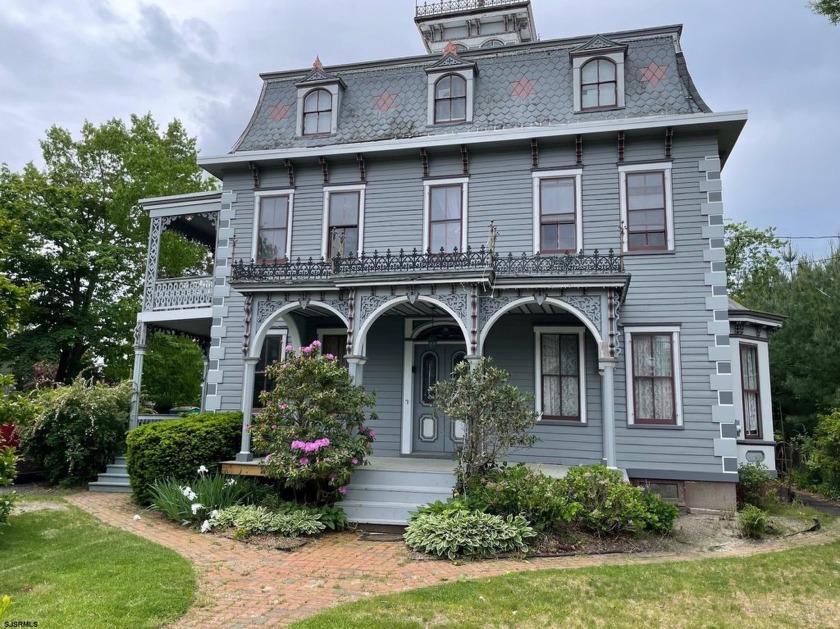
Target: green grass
column 66, row 569
column 794, row 588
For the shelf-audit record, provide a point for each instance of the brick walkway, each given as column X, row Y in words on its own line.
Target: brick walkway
column 241, row 586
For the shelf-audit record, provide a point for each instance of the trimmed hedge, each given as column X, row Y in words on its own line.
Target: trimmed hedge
column 177, row 448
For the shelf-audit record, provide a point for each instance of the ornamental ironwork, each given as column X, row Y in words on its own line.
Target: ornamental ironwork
column 402, row 262
column 192, row 292
column 423, row 9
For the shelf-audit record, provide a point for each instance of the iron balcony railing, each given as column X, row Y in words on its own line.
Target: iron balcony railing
column 183, row 292
column 424, row 9
column 482, row 259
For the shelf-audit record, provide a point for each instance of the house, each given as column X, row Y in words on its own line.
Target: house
column 555, row 205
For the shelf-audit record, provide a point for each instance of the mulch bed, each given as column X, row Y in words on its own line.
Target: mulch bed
column 270, row 542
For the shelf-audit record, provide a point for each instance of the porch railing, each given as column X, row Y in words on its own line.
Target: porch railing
column 423, row 8
column 482, row 259
column 186, row 292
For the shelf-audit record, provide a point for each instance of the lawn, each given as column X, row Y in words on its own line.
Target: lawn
column 66, row 569
column 793, row 588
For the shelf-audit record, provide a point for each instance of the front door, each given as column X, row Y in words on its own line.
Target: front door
column 434, row 432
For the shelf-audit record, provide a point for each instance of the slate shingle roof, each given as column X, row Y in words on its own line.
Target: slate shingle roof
column 666, row 88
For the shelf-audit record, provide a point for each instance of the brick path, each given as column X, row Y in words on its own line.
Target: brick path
column 241, row 586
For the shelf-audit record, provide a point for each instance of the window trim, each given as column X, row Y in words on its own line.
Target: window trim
column 537, row 177
column 758, row 391
column 449, row 76
column 335, row 89
column 284, row 335
column 427, row 208
column 325, row 221
column 259, row 195
column 432, row 77
column 674, row 331
column 580, row 331
column 598, row 83
column 579, row 60
column 665, row 168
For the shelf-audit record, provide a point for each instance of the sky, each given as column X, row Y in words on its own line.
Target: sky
column 66, row 61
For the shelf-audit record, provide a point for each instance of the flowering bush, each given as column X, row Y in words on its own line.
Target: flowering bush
column 312, row 428
column 8, row 460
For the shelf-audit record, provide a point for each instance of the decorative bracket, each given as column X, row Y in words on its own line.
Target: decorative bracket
column 621, row 147
column 669, row 141
column 360, row 159
column 535, row 153
column 424, row 159
column 465, row 159
column 255, row 173
column 578, row 149
column 291, row 169
column 325, row 168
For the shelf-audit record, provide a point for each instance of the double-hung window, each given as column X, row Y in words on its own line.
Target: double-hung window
column 344, row 210
column 557, row 211
column 647, row 207
column 598, row 84
column 750, row 391
column 445, row 215
column 653, row 376
column 451, row 99
column 560, row 381
column 317, row 112
column 272, row 228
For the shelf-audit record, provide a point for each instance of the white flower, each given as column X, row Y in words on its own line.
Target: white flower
column 136, row 517
column 206, row 526
column 196, row 506
column 214, row 513
column 189, row 494
column 231, row 481
column 202, row 470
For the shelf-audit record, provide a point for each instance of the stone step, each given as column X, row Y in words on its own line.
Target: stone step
column 396, row 478
column 396, row 513
column 121, row 460
column 108, row 477
column 108, row 487
column 116, row 469
column 386, row 493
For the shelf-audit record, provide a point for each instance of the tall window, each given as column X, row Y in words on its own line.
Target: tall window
column 598, row 84
column 343, row 235
column 646, row 211
column 335, row 343
column 445, row 217
column 750, row 391
column 272, row 351
column 557, row 215
column 272, row 229
column 451, row 99
column 654, row 392
column 560, row 375
column 317, row 112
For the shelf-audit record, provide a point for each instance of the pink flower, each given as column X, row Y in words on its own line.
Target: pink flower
column 354, row 461
column 306, row 350
column 283, row 406
column 315, row 344
column 342, row 490
column 289, row 348
column 267, row 458
column 329, row 357
column 298, row 445
column 304, row 461
column 371, row 434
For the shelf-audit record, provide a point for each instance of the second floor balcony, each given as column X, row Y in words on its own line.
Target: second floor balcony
column 183, row 293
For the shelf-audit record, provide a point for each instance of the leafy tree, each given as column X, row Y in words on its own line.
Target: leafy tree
column 13, row 298
column 828, row 8
column 753, row 259
column 84, row 243
column 172, row 372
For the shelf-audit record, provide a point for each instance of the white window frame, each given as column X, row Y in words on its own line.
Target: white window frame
column 325, row 226
column 272, row 332
column 334, row 89
column 617, row 57
column 674, row 331
column 665, row 168
column 537, row 177
column 428, row 184
column 765, row 395
column 581, row 334
column 432, row 78
column 262, row 194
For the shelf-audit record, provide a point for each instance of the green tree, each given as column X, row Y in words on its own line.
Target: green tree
column 753, row 260
column 84, row 243
column 13, row 298
column 828, row 8
column 172, row 372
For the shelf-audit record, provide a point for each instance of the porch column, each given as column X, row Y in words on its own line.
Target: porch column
column 473, row 361
column 137, row 374
column 247, row 405
column 356, row 366
column 204, row 383
column 607, row 369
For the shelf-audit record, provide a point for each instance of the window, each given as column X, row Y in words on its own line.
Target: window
column 428, row 377
column 446, row 215
column 334, row 341
column 272, row 351
column 598, row 85
column 750, row 391
column 653, row 376
column 493, row 43
column 343, row 227
column 560, row 386
column 317, row 112
column 451, row 99
column 272, row 233
column 557, row 220
column 646, row 207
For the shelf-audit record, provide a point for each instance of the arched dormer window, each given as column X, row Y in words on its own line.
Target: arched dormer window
column 493, row 43
column 598, row 84
column 317, row 112
column 451, row 99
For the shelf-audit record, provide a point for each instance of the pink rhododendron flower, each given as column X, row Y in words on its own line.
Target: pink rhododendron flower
column 354, row 461
column 304, row 461
column 289, row 348
column 306, row 350
column 342, row 490
column 315, row 344
column 329, row 357
column 283, row 406
column 298, row 445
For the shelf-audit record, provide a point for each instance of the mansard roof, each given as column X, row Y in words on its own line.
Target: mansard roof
column 597, row 44
column 520, row 85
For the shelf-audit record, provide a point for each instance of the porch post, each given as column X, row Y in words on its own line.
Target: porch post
column 137, row 374
column 473, row 361
column 356, row 366
column 204, row 382
column 247, row 404
column 607, row 369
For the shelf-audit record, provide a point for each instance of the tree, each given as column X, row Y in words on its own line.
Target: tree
column 84, row 243
column 753, row 260
column 13, row 298
column 172, row 372
column 828, row 8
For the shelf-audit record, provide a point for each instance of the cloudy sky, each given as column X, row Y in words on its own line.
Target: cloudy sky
column 66, row 61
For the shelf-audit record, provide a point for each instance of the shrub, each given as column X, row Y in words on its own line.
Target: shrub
column 753, row 522
column 331, row 516
column 468, row 533
column 827, row 453
column 191, row 504
column 518, row 490
column 77, row 430
column 254, row 520
column 497, row 415
column 312, row 427
column 8, row 461
column 175, row 449
column 754, row 483
column 659, row 515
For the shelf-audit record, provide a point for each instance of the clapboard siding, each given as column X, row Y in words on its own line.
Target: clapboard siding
column 383, row 374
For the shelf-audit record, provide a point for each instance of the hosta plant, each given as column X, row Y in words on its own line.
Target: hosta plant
column 253, row 520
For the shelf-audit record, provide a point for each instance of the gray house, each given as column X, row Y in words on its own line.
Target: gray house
column 555, row 205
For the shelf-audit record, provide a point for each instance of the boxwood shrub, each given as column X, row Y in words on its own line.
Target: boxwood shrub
column 177, row 448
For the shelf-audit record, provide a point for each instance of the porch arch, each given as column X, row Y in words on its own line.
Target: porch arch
column 586, row 321
column 255, row 346
column 360, row 337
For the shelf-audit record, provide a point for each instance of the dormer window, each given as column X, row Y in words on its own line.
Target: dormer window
column 317, row 112
column 451, row 99
column 598, row 84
